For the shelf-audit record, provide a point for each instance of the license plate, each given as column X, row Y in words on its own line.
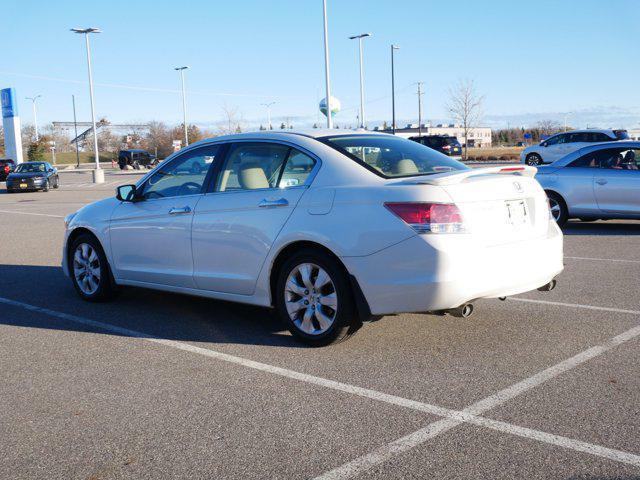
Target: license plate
column 23, row 185
column 517, row 213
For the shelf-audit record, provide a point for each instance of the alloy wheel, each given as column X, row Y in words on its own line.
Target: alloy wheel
column 555, row 208
column 311, row 299
column 86, row 268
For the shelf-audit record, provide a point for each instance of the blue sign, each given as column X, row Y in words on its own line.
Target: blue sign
column 9, row 104
column 527, row 135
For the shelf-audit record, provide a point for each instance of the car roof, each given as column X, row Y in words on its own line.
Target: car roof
column 283, row 134
column 608, row 131
column 570, row 157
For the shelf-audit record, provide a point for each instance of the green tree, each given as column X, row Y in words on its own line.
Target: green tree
column 37, row 150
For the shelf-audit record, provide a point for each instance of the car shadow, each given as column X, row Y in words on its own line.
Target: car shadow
column 601, row 228
column 160, row 314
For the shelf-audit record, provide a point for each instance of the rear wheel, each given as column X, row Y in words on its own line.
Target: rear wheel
column 314, row 300
column 533, row 159
column 89, row 270
column 558, row 208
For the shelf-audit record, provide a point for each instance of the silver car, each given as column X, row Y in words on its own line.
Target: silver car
column 596, row 182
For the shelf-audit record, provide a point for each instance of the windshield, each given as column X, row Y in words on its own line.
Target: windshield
column 621, row 134
column 390, row 156
column 30, row 167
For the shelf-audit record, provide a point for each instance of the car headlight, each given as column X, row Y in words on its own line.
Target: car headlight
column 69, row 218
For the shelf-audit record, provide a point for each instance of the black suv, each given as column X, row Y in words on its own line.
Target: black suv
column 136, row 158
column 6, row 167
column 442, row 143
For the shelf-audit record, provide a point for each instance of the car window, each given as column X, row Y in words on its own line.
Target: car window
column 579, row 137
column 589, row 160
column 252, row 166
column 184, row 175
column 621, row 159
column 390, row 156
column 554, row 140
column 297, row 169
column 600, row 137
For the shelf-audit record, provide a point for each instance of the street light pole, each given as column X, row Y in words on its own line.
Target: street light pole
column 419, row 109
column 565, row 120
column 393, row 91
column 184, row 104
column 75, row 128
column 268, row 105
column 98, row 174
column 327, row 81
column 35, row 114
column 359, row 38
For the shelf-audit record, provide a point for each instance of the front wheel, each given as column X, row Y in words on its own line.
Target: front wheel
column 46, row 185
column 56, row 183
column 533, row 159
column 89, row 270
column 314, row 300
column 558, row 208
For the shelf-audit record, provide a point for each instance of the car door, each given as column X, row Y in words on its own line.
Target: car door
column 151, row 237
column 617, row 182
column 574, row 182
column 236, row 224
column 552, row 148
column 574, row 141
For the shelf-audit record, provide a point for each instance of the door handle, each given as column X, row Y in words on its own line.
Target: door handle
column 281, row 202
column 177, row 210
column 601, row 181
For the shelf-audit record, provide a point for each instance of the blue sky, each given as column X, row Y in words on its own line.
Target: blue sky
column 531, row 60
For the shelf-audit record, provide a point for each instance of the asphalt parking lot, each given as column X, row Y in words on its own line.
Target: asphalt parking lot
column 157, row 385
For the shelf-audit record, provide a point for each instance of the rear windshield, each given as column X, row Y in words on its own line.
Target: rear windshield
column 621, row 134
column 391, row 157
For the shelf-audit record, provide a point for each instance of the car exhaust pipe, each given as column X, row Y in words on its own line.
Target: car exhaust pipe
column 463, row 311
column 548, row 287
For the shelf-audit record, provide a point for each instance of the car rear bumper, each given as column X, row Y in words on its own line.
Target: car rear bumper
column 427, row 274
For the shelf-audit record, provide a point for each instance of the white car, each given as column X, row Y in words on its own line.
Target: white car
column 330, row 229
column 561, row 144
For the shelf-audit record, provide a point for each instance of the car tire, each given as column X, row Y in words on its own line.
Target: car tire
column 99, row 286
column 136, row 165
column 320, row 315
column 559, row 210
column 56, row 184
column 533, row 159
column 46, row 186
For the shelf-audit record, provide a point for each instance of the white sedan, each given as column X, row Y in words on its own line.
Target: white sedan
column 330, row 229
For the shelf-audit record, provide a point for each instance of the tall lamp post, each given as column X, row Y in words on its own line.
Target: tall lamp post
column 184, row 104
column 393, row 91
column 359, row 38
column 565, row 120
column 98, row 174
column 35, row 114
column 268, row 105
column 327, row 81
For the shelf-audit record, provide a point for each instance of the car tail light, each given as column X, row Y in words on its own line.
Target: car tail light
column 429, row 217
column 446, row 147
column 6, row 169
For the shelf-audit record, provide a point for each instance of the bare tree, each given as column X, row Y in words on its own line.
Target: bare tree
column 465, row 106
column 232, row 121
column 548, row 127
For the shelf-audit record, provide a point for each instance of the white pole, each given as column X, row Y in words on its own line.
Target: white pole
column 269, row 117
column 35, row 118
column 326, row 65
column 184, row 109
column 93, row 108
column 362, row 122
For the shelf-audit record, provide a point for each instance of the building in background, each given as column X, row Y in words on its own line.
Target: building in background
column 478, row 137
column 634, row 133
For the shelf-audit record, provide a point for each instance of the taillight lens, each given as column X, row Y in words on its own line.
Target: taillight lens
column 429, row 217
column 6, row 169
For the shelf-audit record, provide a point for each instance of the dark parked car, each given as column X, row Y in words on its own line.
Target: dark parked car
column 450, row 146
column 32, row 176
column 136, row 158
column 6, row 167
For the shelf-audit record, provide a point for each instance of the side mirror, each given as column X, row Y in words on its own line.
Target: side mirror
column 126, row 193
column 544, row 144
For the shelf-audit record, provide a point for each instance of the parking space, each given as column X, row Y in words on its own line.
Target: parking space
column 155, row 384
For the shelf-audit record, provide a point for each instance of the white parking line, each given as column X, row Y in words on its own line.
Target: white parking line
column 604, row 259
column 451, row 417
column 31, row 213
column 434, row 429
column 576, row 305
